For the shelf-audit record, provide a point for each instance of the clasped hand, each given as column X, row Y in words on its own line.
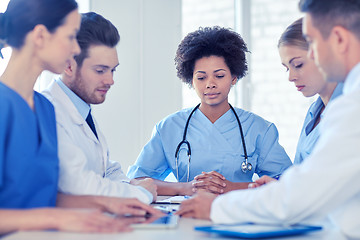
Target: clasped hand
column 212, row 182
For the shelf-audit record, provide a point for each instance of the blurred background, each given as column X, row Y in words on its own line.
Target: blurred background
column 146, row 87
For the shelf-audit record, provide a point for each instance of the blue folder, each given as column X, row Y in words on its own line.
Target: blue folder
column 254, row 231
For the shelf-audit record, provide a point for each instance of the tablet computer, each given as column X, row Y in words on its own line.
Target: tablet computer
column 172, row 200
column 168, row 221
column 252, row 230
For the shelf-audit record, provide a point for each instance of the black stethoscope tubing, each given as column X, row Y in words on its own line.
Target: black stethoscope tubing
column 245, row 165
column 241, row 133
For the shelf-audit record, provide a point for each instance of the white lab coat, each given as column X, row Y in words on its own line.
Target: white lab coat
column 325, row 184
column 85, row 168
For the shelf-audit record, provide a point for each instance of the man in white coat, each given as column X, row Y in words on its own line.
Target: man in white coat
column 326, row 184
column 85, row 168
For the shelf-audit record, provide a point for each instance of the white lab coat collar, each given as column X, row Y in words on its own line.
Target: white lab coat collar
column 69, row 106
column 80, row 104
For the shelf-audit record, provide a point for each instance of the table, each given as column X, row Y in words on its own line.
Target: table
column 184, row 231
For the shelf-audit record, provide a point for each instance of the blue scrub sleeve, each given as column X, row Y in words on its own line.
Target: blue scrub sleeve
column 273, row 159
column 152, row 160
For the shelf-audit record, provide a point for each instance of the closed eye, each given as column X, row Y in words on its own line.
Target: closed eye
column 299, row 65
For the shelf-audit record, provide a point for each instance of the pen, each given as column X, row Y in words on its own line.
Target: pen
column 277, row 177
column 165, row 209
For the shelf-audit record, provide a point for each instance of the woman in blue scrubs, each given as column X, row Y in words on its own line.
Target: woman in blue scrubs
column 211, row 60
column 42, row 34
column 309, row 81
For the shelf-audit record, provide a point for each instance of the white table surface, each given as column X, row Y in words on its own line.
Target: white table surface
column 184, row 231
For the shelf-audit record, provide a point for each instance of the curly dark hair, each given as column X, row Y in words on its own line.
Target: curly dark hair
column 211, row 41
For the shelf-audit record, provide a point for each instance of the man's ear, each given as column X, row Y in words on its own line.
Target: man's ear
column 340, row 36
column 70, row 67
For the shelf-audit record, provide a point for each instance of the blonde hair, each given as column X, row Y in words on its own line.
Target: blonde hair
column 292, row 36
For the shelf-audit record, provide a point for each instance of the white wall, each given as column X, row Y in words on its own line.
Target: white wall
column 146, row 88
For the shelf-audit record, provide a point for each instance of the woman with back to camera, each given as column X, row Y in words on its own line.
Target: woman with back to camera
column 42, row 34
column 309, row 81
column 212, row 146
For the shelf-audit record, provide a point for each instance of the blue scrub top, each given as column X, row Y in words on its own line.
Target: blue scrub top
column 28, row 151
column 214, row 147
column 309, row 136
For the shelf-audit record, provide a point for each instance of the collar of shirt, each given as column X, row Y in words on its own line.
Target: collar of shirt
column 337, row 92
column 352, row 81
column 80, row 105
column 314, row 111
column 316, row 107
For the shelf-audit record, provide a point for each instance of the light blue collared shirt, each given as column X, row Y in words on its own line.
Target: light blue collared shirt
column 310, row 135
column 80, row 105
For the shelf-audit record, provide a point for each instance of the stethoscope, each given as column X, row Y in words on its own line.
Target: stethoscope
column 245, row 165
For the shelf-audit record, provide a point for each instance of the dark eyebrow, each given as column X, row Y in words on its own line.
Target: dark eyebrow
column 105, row 66
column 293, row 59
column 116, row 66
column 102, row 66
column 214, row 71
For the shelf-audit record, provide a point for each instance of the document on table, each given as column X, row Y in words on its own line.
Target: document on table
column 173, row 199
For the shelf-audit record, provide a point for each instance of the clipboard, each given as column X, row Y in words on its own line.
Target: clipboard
column 255, row 231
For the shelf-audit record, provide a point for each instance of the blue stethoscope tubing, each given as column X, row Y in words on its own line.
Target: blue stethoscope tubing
column 245, row 165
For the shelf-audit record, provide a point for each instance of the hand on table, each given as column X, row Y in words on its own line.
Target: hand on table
column 197, row 207
column 128, row 206
column 89, row 221
column 113, row 205
column 212, row 182
column 148, row 184
column 261, row 181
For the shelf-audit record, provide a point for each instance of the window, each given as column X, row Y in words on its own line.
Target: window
column 6, row 52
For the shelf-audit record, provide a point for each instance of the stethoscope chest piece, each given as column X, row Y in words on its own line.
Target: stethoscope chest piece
column 246, row 166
